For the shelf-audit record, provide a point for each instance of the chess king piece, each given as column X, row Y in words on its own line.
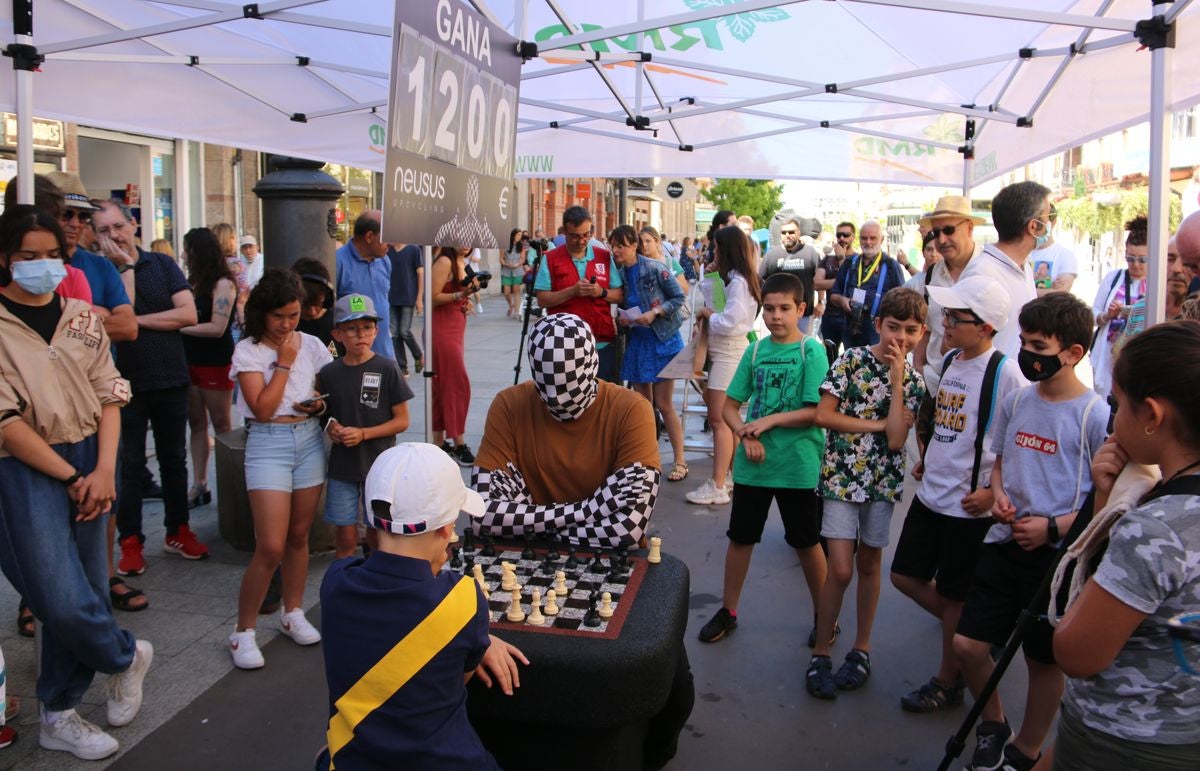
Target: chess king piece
column 655, row 555
column 551, row 608
column 560, row 583
column 535, row 612
column 606, row 609
column 515, row 614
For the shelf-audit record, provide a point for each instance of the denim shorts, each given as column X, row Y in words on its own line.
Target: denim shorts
column 870, row 522
column 285, row 456
column 343, row 502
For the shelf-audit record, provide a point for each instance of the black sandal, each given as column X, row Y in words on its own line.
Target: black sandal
column 933, row 696
column 124, row 600
column 25, row 620
column 854, row 671
column 818, row 681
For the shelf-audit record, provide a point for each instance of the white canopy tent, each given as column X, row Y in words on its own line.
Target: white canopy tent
column 868, row 90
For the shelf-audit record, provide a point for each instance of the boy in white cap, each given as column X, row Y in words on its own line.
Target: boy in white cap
column 951, row 512
column 248, row 246
column 399, row 635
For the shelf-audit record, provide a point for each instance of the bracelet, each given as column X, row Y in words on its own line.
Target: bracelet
column 277, row 365
column 603, row 293
column 1052, row 530
column 73, row 478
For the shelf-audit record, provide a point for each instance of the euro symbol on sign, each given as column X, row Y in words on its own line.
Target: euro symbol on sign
column 504, row 203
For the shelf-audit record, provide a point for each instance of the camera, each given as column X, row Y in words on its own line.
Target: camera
column 482, row 275
column 857, row 318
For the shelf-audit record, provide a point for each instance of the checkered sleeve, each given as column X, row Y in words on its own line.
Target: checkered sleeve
column 615, row 515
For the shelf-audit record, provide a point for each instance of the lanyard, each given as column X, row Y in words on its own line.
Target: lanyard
column 870, row 271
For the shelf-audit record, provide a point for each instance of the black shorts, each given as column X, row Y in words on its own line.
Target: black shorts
column 1004, row 584
column 934, row 545
column 798, row 509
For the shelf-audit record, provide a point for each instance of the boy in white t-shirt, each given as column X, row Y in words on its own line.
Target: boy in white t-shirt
column 950, row 514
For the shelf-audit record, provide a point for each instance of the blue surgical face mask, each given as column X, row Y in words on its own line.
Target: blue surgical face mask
column 39, row 276
column 1040, row 241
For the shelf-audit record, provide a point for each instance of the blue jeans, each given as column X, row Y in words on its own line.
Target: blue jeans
column 402, row 319
column 58, row 566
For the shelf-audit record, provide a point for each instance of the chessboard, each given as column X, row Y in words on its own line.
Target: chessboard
column 582, row 609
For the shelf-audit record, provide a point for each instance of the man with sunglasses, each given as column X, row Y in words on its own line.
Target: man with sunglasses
column 953, row 226
column 1021, row 214
column 110, row 301
column 799, row 259
column 580, row 277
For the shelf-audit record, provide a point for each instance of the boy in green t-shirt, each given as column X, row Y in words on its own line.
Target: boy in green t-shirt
column 779, row 457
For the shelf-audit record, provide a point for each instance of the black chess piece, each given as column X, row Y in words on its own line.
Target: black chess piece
column 592, row 618
column 597, row 565
column 549, row 563
column 622, row 559
column 552, row 548
column 468, row 539
column 468, row 562
column 572, row 561
column 455, row 559
column 489, row 546
column 528, row 553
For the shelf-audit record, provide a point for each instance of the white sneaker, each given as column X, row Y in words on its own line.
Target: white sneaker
column 244, row 649
column 708, row 494
column 125, row 689
column 71, row 733
column 296, row 626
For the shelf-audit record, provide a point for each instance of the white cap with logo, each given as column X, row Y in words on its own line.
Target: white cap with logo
column 423, row 486
column 982, row 295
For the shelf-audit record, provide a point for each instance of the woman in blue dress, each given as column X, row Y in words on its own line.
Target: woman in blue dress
column 654, row 337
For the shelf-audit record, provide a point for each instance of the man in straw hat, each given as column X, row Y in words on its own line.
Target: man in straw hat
column 953, row 225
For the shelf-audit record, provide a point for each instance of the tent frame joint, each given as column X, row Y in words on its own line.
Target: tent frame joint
column 1026, row 53
column 685, row 148
column 824, row 124
column 553, row 124
column 250, row 11
column 1025, row 122
column 303, row 61
column 968, row 152
column 1155, row 33
column 831, row 88
column 25, row 57
column 527, row 50
column 299, row 117
column 638, row 122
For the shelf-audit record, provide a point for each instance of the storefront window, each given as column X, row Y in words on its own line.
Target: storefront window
column 358, row 198
column 162, row 166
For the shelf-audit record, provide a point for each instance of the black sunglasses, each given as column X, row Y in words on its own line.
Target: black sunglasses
column 946, row 229
column 845, row 235
column 84, row 217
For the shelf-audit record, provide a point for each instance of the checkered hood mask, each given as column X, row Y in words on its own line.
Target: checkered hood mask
column 563, row 359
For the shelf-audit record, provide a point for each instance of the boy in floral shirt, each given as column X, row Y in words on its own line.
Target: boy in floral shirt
column 868, row 403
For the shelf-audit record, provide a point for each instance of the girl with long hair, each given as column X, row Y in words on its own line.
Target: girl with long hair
column 727, row 339
column 208, row 345
column 276, row 367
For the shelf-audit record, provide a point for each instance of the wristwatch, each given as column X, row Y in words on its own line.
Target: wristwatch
column 125, row 268
column 603, row 293
column 73, row 478
column 1051, row 530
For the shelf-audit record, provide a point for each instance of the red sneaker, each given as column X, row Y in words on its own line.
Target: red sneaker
column 7, row 736
column 131, row 562
column 184, row 544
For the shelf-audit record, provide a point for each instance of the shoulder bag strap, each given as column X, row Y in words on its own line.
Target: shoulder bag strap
column 987, row 401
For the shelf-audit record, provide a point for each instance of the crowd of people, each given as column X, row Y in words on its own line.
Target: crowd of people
column 832, row 376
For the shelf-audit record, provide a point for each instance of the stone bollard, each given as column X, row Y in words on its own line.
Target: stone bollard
column 233, row 504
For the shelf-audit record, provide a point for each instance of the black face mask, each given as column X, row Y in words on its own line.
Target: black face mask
column 1037, row 367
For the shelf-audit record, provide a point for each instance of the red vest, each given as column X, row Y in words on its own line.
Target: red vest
column 595, row 311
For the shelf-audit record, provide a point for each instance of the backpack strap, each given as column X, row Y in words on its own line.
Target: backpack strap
column 925, row 286
column 1085, row 453
column 987, row 400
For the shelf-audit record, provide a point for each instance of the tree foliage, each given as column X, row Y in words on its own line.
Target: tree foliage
column 1094, row 219
column 759, row 198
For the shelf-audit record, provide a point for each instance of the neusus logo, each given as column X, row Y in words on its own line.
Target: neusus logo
column 425, row 184
column 680, row 37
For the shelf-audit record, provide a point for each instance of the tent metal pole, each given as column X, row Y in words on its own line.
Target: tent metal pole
column 22, row 23
column 482, row 8
column 427, row 336
column 970, row 112
column 628, row 137
column 1160, row 178
column 344, row 25
column 968, row 171
column 1177, row 9
column 641, row 68
column 566, row 22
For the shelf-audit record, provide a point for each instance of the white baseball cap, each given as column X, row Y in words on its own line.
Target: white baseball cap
column 982, row 295
column 423, row 486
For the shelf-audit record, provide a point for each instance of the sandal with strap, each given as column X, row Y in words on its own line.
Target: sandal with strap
column 678, row 473
column 933, row 696
column 854, row 671
column 125, row 600
column 818, row 681
column 25, row 620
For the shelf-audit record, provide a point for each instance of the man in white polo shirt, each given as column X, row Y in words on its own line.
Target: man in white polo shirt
column 1021, row 214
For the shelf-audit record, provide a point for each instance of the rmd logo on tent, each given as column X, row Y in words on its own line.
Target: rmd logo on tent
column 681, row 37
column 378, row 136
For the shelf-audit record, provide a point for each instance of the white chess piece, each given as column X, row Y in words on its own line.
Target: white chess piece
column 477, row 574
column 551, row 608
column 508, row 576
column 535, row 613
column 515, row 614
column 560, row 583
column 453, row 536
column 606, row 608
column 655, row 555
